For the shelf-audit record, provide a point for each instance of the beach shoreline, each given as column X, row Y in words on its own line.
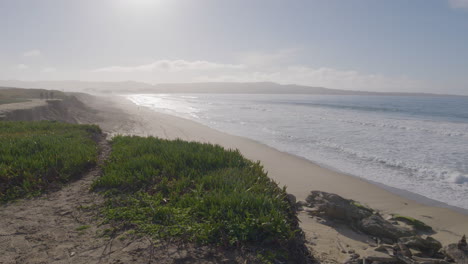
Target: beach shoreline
column 119, row 115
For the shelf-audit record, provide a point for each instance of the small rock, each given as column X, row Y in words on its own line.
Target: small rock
column 380, row 257
column 321, row 221
column 381, row 249
column 456, row 254
column 428, row 246
column 372, row 244
column 387, row 241
column 386, row 249
column 462, row 243
column 420, row 260
column 377, row 226
column 351, row 251
column 404, row 250
column 291, row 198
column 337, row 207
column 73, row 253
column 415, row 252
column 352, row 261
column 64, row 213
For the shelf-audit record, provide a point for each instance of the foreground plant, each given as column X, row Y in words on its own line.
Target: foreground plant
column 196, row 192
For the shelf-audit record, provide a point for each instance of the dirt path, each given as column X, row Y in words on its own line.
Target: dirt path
column 32, row 103
column 58, row 227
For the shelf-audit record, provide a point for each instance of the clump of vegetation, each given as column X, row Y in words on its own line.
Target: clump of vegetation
column 363, row 207
column 197, row 192
column 35, row 156
column 417, row 224
column 83, row 227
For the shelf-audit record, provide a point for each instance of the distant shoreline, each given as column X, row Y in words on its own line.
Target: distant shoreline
column 201, row 87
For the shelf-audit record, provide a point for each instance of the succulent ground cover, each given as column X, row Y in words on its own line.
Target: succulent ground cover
column 197, row 193
column 36, row 156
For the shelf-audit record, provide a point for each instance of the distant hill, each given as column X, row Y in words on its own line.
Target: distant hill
column 262, row 88
column 209, row 87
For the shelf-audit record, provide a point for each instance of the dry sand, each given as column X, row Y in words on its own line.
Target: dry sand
column 120, row 116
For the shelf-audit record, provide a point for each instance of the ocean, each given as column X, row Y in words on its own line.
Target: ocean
column 413, row 143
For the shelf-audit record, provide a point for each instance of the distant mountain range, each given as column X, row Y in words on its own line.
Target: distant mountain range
column 210, row 87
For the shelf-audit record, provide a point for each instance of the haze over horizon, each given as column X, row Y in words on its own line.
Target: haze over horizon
column 378, row 46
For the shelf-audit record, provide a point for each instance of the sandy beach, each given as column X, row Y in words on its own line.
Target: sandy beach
column 117, row 115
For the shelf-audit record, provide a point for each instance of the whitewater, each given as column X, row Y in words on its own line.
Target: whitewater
column 413, row 143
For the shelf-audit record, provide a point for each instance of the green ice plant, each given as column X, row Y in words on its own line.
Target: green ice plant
column 196, row 192
column 35, row 156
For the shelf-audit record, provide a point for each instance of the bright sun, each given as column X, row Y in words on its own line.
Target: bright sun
column 139, row 4
column 143, row 2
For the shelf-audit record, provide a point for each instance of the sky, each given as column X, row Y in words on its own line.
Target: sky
column 371, row 45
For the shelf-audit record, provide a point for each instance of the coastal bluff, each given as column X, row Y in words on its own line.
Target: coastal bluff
column 69, row 110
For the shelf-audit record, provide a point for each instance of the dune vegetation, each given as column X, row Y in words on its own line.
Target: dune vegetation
column 198, row 193
column 35, row 156
column 16, row 95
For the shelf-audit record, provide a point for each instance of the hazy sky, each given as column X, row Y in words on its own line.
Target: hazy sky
column 375, row 45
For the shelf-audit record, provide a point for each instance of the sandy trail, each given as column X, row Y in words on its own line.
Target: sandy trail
column 59, row 227
column 33, row 103
column 22, row 105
